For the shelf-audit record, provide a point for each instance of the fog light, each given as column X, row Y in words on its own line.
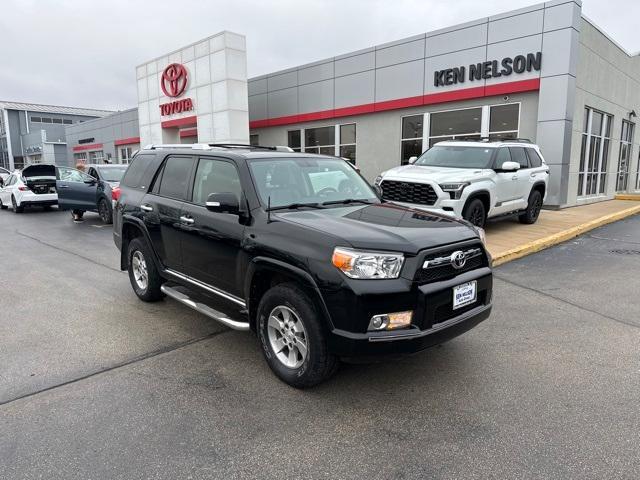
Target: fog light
column 391, row 321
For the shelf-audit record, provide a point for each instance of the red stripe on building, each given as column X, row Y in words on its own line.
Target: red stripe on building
column 429, row 99
column 512, row 87
column 180, row 122
column 127, row 141
column 88, row 146
column 190, row 132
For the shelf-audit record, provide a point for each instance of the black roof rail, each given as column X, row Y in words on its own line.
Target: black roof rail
column 276, row 148
column 516, row 140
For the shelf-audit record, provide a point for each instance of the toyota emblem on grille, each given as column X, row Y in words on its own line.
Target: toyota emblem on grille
column 458, row 259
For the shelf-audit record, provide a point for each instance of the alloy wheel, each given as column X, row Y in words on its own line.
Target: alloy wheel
column 477, row 216
column 287, row 337
column 103, row 211
column 139, row 267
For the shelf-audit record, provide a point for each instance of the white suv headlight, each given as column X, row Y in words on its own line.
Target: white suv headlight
column 378, row 180
column 454, row 189
column 367, row 265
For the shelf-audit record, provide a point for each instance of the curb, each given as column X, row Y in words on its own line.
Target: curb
column 556, row 238
column 628, row 196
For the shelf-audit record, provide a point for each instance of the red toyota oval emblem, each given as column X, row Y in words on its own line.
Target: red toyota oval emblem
column 174, row 80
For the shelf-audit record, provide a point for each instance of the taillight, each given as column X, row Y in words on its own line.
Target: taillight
column 115, row 194
column 23, row 188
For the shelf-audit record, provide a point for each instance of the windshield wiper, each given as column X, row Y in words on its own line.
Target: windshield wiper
column 294, row 206
column 347, row 201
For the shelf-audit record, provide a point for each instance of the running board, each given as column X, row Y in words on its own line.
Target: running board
column 204, row 309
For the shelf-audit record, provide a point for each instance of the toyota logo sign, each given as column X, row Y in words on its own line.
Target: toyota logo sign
column 174, row 80
column 458, row 259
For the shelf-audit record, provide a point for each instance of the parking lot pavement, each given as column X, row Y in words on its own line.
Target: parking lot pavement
column 547, row 387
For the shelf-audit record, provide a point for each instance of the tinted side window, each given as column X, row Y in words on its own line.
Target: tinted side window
column 501, row 157
column 135, row 172
column 215, row 176
column 519, row 155
column 534, row 158
column 175, row 176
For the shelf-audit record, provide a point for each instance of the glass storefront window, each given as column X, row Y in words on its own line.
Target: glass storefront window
column 504, row 118
column 293, row 139
column 624, row 158
column 348, row 142
column 456, row 122
column 321, row 136
column 594, row 153
column 411, row 143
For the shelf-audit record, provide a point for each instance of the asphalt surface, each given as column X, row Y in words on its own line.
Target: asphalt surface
column 96, row 384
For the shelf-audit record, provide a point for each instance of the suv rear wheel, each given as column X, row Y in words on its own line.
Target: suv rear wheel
column 143, row 274
column 292, row 338
column 475, row 213
column 534, row 206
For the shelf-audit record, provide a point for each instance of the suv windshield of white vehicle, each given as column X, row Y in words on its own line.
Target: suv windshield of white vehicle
column 456, row 157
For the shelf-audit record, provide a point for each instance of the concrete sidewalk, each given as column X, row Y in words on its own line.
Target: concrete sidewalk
column 509, row 239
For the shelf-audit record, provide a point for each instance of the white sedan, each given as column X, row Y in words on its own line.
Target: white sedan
column 35, row 185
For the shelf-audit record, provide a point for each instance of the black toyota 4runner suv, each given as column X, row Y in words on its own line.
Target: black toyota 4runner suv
column 305, row 250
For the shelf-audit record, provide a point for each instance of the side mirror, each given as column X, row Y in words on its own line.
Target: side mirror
column 91, row 181
column 412, row 160
column 223, row 203
column 510, row 166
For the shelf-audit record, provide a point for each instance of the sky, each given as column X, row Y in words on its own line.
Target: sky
column 84, row 52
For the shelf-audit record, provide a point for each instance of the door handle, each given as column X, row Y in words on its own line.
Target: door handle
column 187, row 220
column 533, row 175
column 146, row 208
column 515, row 177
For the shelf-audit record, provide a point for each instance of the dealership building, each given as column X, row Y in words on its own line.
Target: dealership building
column 544, row 72
column 33, row 133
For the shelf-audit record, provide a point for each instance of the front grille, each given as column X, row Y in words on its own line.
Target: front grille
column 437, row 272
column 418, row 193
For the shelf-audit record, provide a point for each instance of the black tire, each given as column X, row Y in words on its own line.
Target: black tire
column 475, row 213
column 531, row 214
column 3, row 206
column 318, row 364
column 47, row 208
column 104, row 210
column 16, row 208
column 151, row 292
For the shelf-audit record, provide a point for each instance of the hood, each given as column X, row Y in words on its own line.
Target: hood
column 384, row 226
column 436, row 174
column 39, row 170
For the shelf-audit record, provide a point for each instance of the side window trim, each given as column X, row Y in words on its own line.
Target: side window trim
column 522, row 149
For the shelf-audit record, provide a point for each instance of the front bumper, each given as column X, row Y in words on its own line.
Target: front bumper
column 434, row 321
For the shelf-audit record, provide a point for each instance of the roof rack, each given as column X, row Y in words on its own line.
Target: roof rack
column 209, row 146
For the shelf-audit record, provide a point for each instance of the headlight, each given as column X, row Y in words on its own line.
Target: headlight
column 367, row 265
column 378, row 180
column 454, row 189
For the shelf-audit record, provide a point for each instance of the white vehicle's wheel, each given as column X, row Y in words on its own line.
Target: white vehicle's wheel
column 14, row 204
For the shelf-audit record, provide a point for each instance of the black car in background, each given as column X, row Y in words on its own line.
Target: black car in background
column 94, row 191
column 305, row 250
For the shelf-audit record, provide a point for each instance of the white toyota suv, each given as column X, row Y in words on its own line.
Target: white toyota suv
column 474, row 180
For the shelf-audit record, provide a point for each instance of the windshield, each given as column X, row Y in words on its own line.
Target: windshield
column 287, row 181
column 456, row 157
column 112, row 174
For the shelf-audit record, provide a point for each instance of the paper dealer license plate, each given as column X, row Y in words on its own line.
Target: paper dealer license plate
column 464, row 294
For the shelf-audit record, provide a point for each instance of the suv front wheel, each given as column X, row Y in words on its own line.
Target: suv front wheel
column 292, row 338
column 143, row 274
column 475, row 213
